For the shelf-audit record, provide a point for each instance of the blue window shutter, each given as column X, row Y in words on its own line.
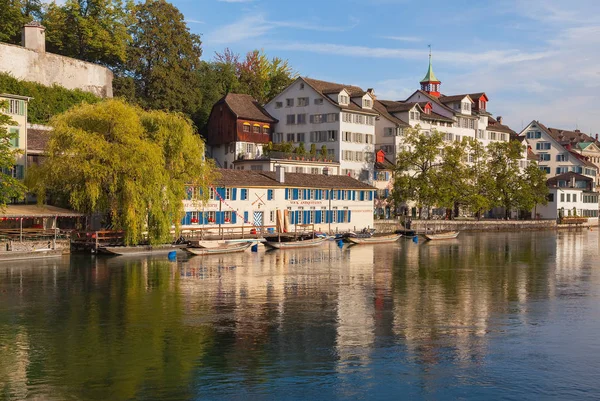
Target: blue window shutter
column 219, row 218
column 349, row 215
column 295, row 194
column 183, row 220
column 306, row 194
column 353, row 195
column 221, row 192
column 200, row 218
column 270, row 194
column 188, row 218
column 287, row 193
column 292, row 215
column 233, row 217
column 362, row 195
column 233, row 193
column 326, row 194
column 339, row 194
column 340, row 215
column 375, row 175
column 318, row 217
column 297, row 216
column 387, row 175
column 387, row 193
column 306, row 217
column 246, row 217
column 327, row 220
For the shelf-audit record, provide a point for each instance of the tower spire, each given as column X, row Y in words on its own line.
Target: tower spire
column 430, row 83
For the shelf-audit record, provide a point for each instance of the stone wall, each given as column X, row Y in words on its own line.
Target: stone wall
column 29, row 246
column 469, row 225
column 50, row 69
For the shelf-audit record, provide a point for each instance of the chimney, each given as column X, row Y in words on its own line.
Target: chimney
column 499, row 119
column 33, row 37
column 573, row 182
column 577, row 131
column 280, row 174
column 371, row 92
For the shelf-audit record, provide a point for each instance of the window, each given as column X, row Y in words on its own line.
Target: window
column 389, row 132
column 291, row 137
column 289, row 102
column 359, row 119
column 301, row 119
column 347, row 117
column 412, row 115
column 368, row 103
column 544, row 157
column 246, row 128
column 545, row 169
column 346, row 136
column 272, row 216
column 256, row 129
column 568, row 197
column 16, row 107
column 249, row 148
column 370, row 120
column 314, row 170
column 387, row 148
column 278, row 105
column 301, row 86
column 480, row 134
column 291, row 119
column 319, row 101
column 358, row 137
column 14, row 141
column 562, row 197
column 550, row 198
column 560, row 158
column 278, row 137
column 316, row 118
column 323, row 136
column 574, row 197
column 482, row 104
column 472, row 124
column 300, row 137
column 466, row 106
column 369, row 139
column 299, row 169
column 344, row 99
column 303, row 101
column 503, row 137
column 563, row 169
column 542, row 146
column 256, row 167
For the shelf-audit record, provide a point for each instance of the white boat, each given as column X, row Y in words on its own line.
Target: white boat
column 307, row 243
column 383, row 239
column 219, row 250
column 139, row 249
column 442, row 235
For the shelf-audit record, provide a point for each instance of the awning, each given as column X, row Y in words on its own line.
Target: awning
column 265, row 126
column 257, row 125
column 246, row 123
column 37, row 211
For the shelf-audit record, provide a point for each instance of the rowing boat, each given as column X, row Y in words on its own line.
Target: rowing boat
column 219, row 250
column 444, row 235
column 139, row 249
column 306, row 243
column 383, row 239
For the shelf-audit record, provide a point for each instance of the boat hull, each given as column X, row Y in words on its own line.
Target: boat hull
column 295, row 244
column 138, row 250
column 440, row 236
column 219, row 250
column 387, row 239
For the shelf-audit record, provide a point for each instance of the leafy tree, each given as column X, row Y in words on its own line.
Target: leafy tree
column 90, row 30
column 451, row 179
column 131, row 164
column 534, row 189
column 10, row 187
column 505, row 172
column 14, row 14
column 164, row 59
column 417, row 168
column 480, row 186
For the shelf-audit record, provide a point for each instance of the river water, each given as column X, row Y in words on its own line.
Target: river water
column 487, row 316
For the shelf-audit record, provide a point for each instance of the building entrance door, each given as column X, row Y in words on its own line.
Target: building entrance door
column 258, row 220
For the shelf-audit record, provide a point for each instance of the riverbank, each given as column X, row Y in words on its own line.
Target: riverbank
column 15, row 250
column 386, row 226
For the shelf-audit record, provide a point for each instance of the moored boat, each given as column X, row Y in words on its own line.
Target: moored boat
column 382, row 239
column 139, row 249
column 294, row 244
column 442, row 235
column 219, row 249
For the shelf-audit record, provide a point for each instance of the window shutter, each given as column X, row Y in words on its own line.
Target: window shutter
column 295, row 194
column 200, row 218
column 233, row 193
column 387, row 193
column 362, row 195
column 306, row 217
column 233, row 217
column 270, row 194
column 22, row 107
column 318, row 217
column 297, row 216
column 246, row 217
column 340, row 216
column 287, row 193
column 349, row 215
column 188, row 218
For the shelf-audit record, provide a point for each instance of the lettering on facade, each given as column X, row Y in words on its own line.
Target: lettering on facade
column 306, row 202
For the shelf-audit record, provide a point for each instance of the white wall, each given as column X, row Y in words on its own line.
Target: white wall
column 562, row 198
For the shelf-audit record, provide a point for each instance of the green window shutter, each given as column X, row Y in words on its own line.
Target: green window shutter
column 22, row 107
column 14, row 142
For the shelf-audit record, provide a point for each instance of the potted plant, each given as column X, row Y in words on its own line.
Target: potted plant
column 301, row 150
column 287, row 148
column 313, row 152
column 268, row 148
column 324, row 152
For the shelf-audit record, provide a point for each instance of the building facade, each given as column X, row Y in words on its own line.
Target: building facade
column 570, row 195
column 339, row 117
column 253, row 199
column 17, row 111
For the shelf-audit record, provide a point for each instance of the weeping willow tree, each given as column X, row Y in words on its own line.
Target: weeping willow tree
column 131, row 164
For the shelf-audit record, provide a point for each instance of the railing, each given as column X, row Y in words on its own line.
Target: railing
column 288, row 156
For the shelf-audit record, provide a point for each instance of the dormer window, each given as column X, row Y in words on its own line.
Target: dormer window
column 344, row 99
column 367, row 103
column 482, row 104
column 466, row 106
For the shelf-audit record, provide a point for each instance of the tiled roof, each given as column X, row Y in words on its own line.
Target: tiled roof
column 37, row 138
column 531, row 155
column 570, row 136
column 386, row 165
column 249, row 178
column 433, row 99
column 324, row 88
column 453, row 98
column 567, row 177
column 245, row 107
column 435, row 116
column 494, row 125
column 584, row 160
column 382, row 110
column 399, row 107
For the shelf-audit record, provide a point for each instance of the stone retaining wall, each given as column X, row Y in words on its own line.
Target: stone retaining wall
column 30, row 246
column 468, row 225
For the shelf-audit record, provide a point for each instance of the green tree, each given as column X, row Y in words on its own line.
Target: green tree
column 164, row 59
column 14, row 14
column 504, row 169
column 417, row 167
column 451, row 178
column 132, row 164
column 481, row 186
column 10, row 187
column 534, row 190
column 90, row 30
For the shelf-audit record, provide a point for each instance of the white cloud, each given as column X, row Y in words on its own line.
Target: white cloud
column 194, row 21
column 402, row 38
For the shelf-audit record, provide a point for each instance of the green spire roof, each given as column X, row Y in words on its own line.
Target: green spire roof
column 430, row 76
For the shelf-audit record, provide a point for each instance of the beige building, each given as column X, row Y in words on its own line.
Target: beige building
column 17, row 111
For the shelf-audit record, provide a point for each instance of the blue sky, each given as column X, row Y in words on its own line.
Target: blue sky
column 535, row 59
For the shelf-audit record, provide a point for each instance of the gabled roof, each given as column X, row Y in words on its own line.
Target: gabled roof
column 584, row 160
column 38, row 137
column 386, row 165
column 380, row 107
column 454, row 98
column 433, row 99
column 477, row 96
column 324, row 88
column 567, row 177
column 245, row 107
column 399, row 107
column 430, row 76
column 572, row 137
column 435, row 116
column 249, row 178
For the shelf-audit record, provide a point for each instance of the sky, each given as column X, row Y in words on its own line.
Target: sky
column 535, row 59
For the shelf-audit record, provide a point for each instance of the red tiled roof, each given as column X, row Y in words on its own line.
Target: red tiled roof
column 249, row 178
column 245, row 107
column 382, row 110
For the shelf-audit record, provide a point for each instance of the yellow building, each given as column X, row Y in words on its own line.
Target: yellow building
column 17, row 110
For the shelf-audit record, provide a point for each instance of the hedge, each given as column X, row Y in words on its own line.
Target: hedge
column 47, row 101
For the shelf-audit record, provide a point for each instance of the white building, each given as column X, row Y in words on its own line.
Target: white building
column 554, row 158
column 341, row 117
column 254, row 199
column 570, row 194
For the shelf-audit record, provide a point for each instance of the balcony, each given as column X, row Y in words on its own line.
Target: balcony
column 287, row 156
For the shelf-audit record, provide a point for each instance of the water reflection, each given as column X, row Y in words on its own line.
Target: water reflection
column 423, row 319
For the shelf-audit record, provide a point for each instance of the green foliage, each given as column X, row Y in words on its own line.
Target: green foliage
column 164, row 59
column 301, row 150
column 313, row 149
column 90, row 30
column 9, row 187
column 131, row 164
column 14, row 14
column 48, row 101
column 533, row 189
column 480, row 190
column 505, row 173
column 324, row 151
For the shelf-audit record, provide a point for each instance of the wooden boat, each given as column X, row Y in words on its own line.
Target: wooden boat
column 139, row 249
column 442, row 235
column 294, row 244
column 219, row 250
column 382, row 239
